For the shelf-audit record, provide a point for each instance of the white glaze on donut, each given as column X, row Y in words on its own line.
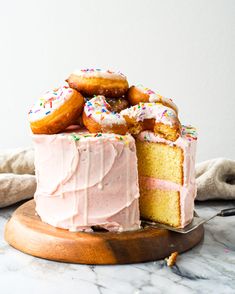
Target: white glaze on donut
column 98, row 109
column 155, row 97
column 99, row 73
column 49, row 102
column 157, row 111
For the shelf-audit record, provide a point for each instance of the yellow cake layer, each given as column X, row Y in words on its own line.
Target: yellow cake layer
column 160, row 206
column 161, row 161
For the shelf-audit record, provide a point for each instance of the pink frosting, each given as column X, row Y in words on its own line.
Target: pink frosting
column 85, row 180
column 187, row 142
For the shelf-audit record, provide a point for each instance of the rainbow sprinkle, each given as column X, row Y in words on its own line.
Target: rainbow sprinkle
column 189, row 132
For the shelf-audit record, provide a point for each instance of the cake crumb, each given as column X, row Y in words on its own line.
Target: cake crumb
column 171, row 260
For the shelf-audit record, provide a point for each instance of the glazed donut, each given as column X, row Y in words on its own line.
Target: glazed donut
column 160, row 119
column 98, row 117
column 90, row 82
column 137, row 94
column 55, row 111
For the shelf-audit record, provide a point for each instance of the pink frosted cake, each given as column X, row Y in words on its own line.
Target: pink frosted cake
column 88, row 176
column 86, row 180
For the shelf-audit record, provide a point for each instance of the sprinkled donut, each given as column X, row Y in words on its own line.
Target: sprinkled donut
column 160, row 119
column 137, row 94
column 98, row 117
column 55, row 111
column 90, row 82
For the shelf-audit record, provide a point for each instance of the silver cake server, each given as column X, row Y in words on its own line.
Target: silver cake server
column 196, row 222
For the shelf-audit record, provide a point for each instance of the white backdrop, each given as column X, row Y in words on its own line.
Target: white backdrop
column 184, row 49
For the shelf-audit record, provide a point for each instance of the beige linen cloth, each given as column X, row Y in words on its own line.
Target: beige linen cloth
column 17, row 180
column 215, row 178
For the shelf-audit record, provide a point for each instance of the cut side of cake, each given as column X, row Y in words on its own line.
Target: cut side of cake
column 166, row 177
column 86, row 180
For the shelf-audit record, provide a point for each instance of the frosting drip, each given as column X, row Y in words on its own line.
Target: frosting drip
column 88, row 170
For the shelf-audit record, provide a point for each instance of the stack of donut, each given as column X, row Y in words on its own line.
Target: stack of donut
column 103, row 101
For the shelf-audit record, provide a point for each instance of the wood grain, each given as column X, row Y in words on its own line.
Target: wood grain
column 27, row 233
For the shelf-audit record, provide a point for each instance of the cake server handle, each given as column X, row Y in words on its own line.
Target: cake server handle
column 227, row 212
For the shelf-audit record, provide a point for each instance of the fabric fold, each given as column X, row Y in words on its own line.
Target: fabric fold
column 215, row 179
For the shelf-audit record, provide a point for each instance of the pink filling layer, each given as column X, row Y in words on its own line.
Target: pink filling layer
column 149, row 183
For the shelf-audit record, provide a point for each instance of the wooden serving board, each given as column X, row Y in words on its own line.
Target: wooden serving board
column 27, row 233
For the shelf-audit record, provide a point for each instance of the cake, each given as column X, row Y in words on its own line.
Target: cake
column 86, row 180
column 166, row 177
column 101, row 165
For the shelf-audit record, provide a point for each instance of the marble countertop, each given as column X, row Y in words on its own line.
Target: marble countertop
column 207, row 268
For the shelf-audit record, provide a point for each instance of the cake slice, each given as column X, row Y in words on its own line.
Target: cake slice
column 166, row 177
